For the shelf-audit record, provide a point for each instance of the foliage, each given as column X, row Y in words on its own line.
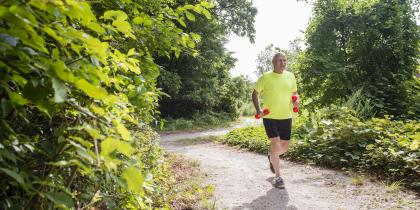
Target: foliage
column 251, row 137
column 248, row 109
column 264, row 58
column 363, row 107
column 368, row 44
column 76, row 78
column 198, row 121
column 413, row 88
column 237, row 16
column 202, row 82
column 234, row 95
column 335, row 137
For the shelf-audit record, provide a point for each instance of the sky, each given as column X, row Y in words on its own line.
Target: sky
column 277, row 22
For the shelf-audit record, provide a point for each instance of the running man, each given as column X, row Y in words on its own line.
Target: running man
column 276, row 88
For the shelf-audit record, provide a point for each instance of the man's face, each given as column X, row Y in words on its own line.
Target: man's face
column 280, row 62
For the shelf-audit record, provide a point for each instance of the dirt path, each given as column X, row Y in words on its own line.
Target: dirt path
column 242, row 181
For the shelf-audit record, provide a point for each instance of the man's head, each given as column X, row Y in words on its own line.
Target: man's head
column 279, row 61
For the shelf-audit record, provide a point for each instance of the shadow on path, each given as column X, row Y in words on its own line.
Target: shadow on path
column 274, row 199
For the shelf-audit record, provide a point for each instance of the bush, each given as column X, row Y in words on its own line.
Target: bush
column 248, row 109
column 251, row 137
column 334, row 137
column 197, row 122
column 77, row 77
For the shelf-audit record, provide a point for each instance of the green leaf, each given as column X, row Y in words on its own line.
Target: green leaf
column 82, row 142
column 59, row 69
column 124, row 27
column 190, row 16
column 54, row 35
column 91, row 90
column 125, row 134
column 115, row 14
column 206, row 4
column 14, row 175
column 134, row 179
column 96, row 27
column 131, row 52
column 206, row 13
column 109, row 145
column 138, row 20
column 96, row 134
column 60, row 91
column 61, row 200
column 181, row 21
column 17, row 99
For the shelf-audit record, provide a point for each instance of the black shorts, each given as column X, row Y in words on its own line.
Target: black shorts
column 278, row 128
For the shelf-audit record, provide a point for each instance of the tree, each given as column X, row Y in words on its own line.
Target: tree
column 354, row 44
column 200, row 82
column 237, row 16
column 264, row 59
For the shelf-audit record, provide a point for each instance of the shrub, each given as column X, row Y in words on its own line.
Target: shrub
column 198, row 121
column 248, row 109
column 76, row 78
column 251, row 137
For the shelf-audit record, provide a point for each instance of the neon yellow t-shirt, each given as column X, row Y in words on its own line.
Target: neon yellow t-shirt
column 276, row 90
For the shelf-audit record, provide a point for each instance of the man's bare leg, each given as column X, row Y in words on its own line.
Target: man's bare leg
column 278, row 147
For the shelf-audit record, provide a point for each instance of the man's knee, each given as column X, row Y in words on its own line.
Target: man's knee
column 275, row 140
column 284, row 145
column 276, row 146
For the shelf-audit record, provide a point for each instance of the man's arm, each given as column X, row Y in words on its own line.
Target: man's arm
column 256, row 102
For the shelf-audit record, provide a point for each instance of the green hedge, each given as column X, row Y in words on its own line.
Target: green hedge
column 77, row 93
column 334, row 137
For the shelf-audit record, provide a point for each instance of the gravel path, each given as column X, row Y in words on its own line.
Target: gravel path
column 242, row 180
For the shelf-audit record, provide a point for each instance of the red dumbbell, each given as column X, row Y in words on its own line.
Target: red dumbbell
column 295, row 98
column 265, row 112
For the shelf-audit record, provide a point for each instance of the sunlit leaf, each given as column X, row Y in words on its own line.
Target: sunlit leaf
column 134, row 179
column 91, row 90
column 17, row 99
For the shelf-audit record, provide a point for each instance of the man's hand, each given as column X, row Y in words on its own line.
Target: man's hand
column 260, row 112
column 296, row 103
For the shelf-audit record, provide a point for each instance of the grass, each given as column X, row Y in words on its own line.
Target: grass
column 187, row 186
column 197, row 140
column 358, row 180
column 394, row 187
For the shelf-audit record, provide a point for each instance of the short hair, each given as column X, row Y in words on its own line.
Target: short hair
column 277, row 54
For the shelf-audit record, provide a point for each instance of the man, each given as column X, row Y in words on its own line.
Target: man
column 277, row 88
